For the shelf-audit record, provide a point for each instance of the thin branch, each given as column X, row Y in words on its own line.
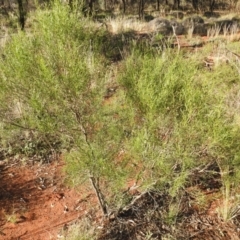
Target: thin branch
column 175, row 35
column 94, row 181
column 138, row 197
column 19, row 126
column 101, row 200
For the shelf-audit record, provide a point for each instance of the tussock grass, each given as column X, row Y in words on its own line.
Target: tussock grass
column 81, row 230
column 124, row 24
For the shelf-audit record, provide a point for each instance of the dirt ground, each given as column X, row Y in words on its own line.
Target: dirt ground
column 36, row 205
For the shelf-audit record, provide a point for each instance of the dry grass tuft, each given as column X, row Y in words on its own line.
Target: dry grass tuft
column 123, row 24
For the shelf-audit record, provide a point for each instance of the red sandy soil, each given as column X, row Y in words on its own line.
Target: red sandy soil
column 39, row 201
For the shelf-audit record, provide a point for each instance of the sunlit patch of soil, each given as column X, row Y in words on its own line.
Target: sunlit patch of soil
column 35, row 204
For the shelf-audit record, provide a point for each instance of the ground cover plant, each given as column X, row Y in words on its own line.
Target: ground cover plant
column 118, row 109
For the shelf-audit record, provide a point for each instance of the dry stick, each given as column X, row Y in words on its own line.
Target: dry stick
column 237, row 57
column 134, row 200
column 18, row 125
column 138, row 197
column 99, row 194
column 175, row 35
column 235, row 54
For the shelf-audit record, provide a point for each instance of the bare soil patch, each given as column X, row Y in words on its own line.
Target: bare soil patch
column 35, row 204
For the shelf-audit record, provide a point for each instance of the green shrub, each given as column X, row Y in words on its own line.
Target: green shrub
column 168, row 118
column 42, row 73
column 53, row 83
column 181, row 121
